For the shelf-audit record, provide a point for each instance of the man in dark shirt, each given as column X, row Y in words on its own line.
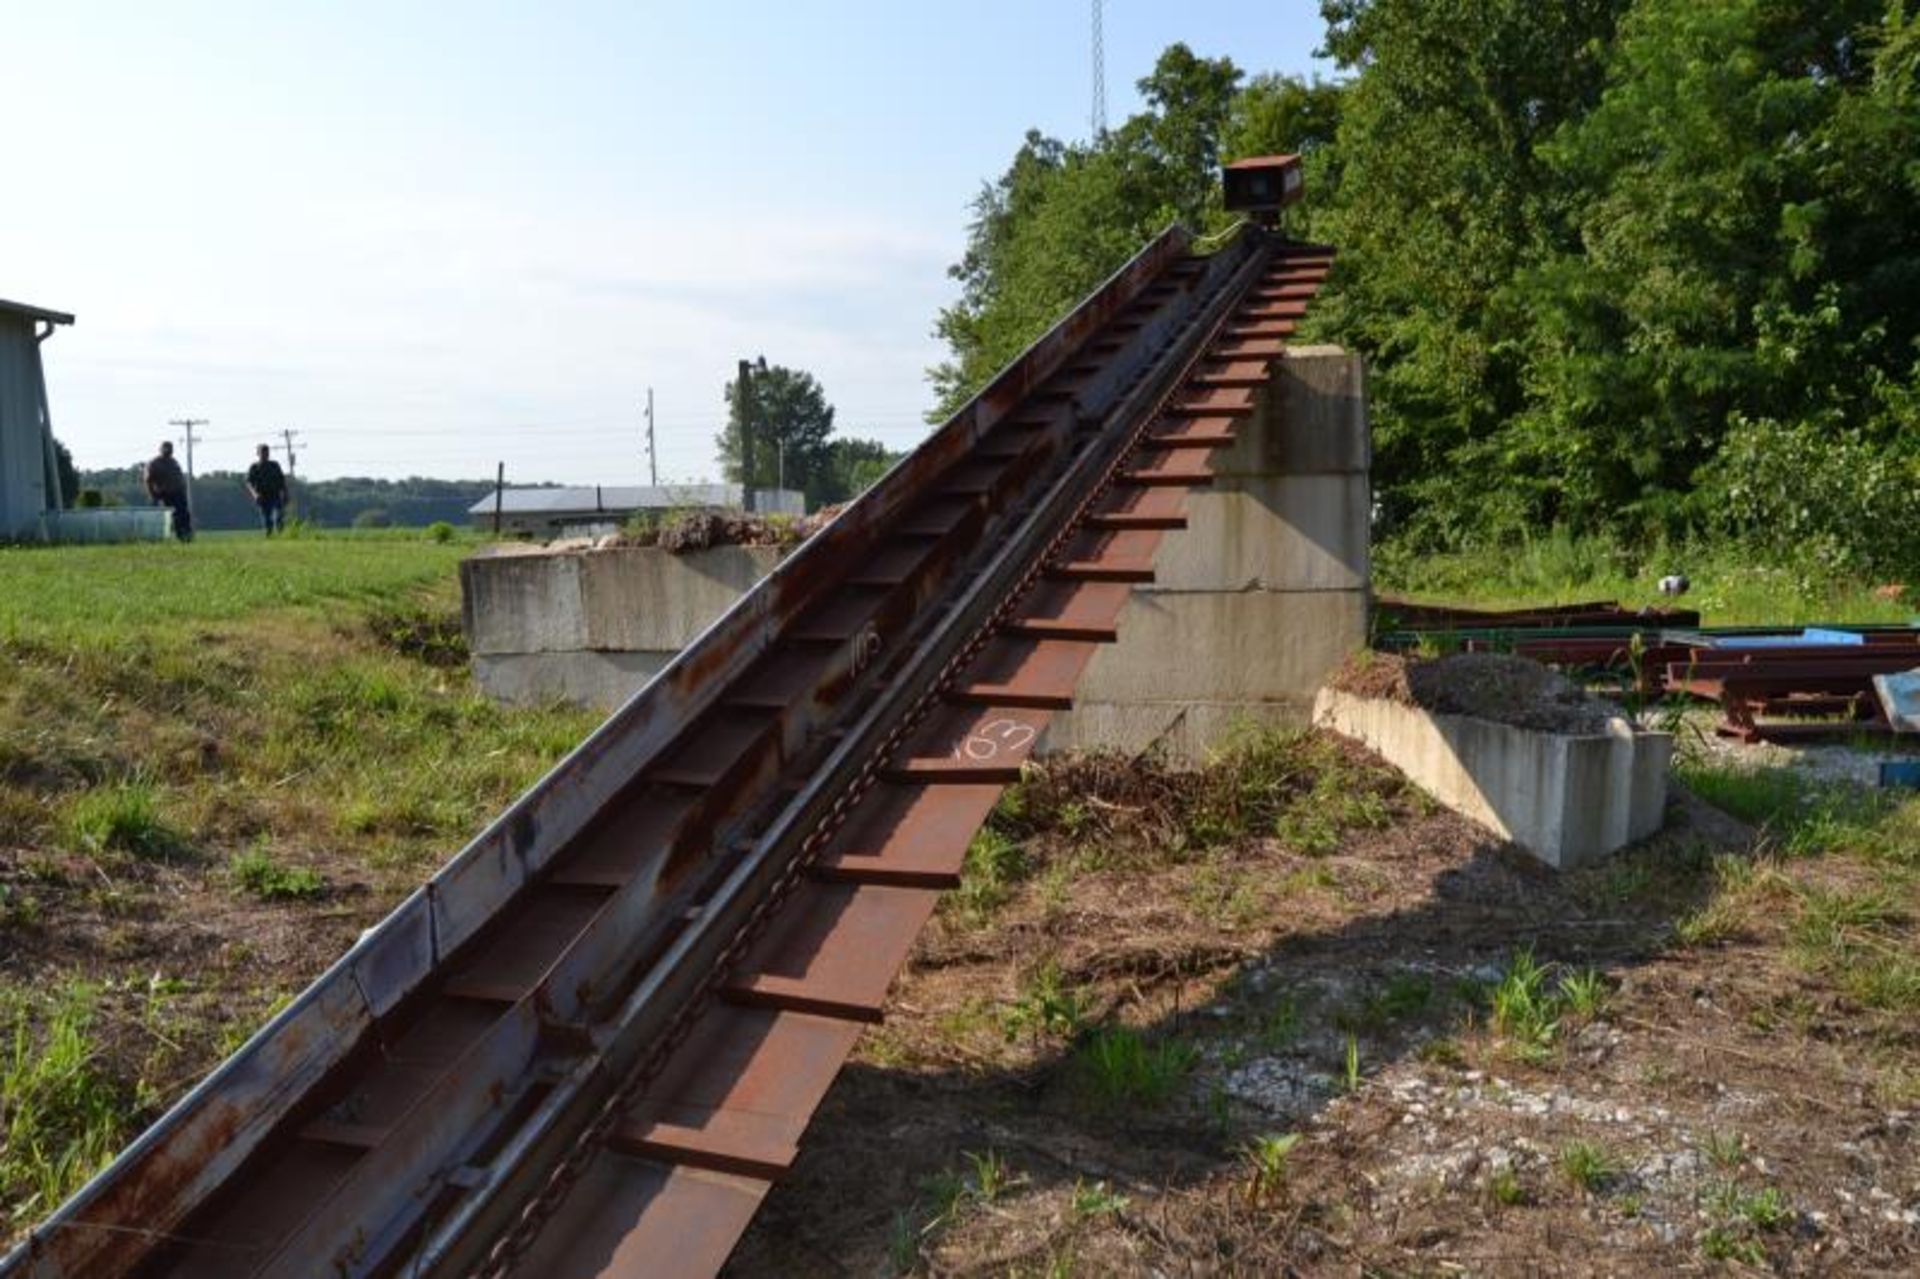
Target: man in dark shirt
column 268, row 485
column 167, row 486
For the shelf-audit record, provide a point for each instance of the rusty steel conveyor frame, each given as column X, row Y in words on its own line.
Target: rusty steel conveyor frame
column 649, row 954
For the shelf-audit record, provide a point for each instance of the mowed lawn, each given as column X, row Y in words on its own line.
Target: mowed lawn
column 218, row 763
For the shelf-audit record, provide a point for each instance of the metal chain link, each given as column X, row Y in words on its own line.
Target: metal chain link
column 513, row 1245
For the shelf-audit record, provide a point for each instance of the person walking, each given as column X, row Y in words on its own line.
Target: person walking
column 267, row 485
column 167, row 486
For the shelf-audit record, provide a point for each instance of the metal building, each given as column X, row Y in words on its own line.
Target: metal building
column 555, row 512
column 29, row 477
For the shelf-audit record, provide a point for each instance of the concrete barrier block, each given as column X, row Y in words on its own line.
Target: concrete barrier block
column 1566, row 798
column 602, row 680
column 522, row 603
column 1278, row 532
column 644, row 598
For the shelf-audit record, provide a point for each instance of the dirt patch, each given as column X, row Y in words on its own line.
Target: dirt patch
column 1489, row 686
column 1710, row 1107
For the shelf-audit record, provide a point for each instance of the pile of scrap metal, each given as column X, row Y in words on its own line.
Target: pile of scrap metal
column 1772, row 683
column 1783, row 686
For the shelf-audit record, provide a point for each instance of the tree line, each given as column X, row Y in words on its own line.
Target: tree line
column 1642, row 266
column 220, row 499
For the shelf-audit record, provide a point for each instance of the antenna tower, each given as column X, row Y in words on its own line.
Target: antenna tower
column 1099, row 76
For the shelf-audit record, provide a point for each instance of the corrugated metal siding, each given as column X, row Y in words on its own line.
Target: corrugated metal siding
column 23, row 462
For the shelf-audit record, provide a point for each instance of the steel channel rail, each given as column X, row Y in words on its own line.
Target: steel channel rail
column 465, row 1178
column 700, row 955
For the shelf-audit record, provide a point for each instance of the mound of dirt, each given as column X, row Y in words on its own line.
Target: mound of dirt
column 1491, row 686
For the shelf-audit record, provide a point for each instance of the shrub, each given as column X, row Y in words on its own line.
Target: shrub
column 1818, row 495
column 440, row 531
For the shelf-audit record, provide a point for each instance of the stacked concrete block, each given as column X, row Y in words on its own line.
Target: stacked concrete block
column 592, row 626
column 1263, row 593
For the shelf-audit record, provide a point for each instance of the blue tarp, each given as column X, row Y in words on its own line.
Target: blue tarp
column 1811, row 636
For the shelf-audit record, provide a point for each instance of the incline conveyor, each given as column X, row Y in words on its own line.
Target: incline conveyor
column 594, row 1039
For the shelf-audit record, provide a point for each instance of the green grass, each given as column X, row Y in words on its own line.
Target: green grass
column 89, row 595
column 61, row 1115
column 123, row 818
column 257, row 871
column 1267, row 1157
column 1507, row 1189
column 1588, row 1165
column 995, row 865
column 1048, row 1006
column 1119, row 1068
column 1529, row 1006
column 1798, row 815
column 201, row 705
column 1728, row 588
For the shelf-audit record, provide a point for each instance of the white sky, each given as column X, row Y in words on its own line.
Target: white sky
column 433, row 236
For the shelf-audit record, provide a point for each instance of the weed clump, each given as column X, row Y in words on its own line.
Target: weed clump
column 1528, row 1010
column 1119, row 1068
column 259, row 873
column 123, row 818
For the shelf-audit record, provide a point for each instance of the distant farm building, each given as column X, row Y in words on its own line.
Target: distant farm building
column 29, row 475
column 30, row 498
column 555, row 512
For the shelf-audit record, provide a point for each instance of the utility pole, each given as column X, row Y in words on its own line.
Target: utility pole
column 187, row 424
column 288, row 435
column 653, row 458
column 743, row 402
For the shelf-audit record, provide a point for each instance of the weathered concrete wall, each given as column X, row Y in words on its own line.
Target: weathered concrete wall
column 592, row 626
column 1567, row 799
column 1262, row 594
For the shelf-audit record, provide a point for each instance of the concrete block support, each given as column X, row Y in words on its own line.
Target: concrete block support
column 1262, row 594
column 1566, row 798
column 591, row 626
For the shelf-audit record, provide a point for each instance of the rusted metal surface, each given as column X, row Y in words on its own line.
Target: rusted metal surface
column 746, row 848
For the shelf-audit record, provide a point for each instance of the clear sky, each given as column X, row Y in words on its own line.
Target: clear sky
column 433, row 236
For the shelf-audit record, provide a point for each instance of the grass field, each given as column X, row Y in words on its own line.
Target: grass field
column 218, row 763
column 1729, row 589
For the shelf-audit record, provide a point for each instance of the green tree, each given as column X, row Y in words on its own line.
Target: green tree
column 69, row 476
column 1745, row 248
column 1443, row 199
column 791, row 423
column 1064, row 217
column 852, row 467
column 1281, row 115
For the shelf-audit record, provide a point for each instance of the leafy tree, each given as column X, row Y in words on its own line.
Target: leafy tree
column 791, row 423
column 852, row 467
column 1443, row 198
column 69, row 477
column 1278, row 115
column 1064, row 217
column 1719, row 265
